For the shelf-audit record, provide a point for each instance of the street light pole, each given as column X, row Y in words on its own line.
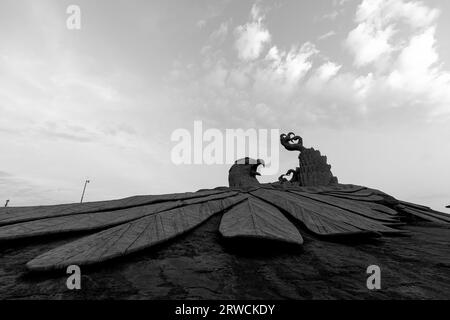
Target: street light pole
column 84, row 189
column 6, row 204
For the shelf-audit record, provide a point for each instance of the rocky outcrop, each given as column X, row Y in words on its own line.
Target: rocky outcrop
column 203, row 265
column 310, row 238
column 314, row 169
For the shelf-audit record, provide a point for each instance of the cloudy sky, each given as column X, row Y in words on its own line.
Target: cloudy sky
column 365, row 81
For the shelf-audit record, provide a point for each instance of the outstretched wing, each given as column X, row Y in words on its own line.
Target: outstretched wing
column 132, row 236
column 125, row 225
column 10, row 215
column 332, row 211
column 77, row 218
column 267, row 212
column 255, row 218
column 325, row 215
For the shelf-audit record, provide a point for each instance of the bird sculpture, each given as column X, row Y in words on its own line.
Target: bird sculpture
column 310, row 201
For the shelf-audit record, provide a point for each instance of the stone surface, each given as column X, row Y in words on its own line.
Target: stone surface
column 336, row 211
column 10, row 215
column 133, row 236
column 257, row 219
column 324, row 219
column 424, row 213
column 254, row 214
column 97, row 220
column 202, row 265
column 313, row 168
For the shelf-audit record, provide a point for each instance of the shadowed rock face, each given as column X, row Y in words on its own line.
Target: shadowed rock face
column 249, row 240
column 202, row 265
column 122, row 227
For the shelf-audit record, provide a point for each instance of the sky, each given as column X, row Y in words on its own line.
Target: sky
column 367, row 82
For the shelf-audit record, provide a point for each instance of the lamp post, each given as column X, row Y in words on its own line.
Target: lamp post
column 6, row 204
column 84, row 189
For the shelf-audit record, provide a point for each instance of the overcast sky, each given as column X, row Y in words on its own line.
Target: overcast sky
column 366, row 82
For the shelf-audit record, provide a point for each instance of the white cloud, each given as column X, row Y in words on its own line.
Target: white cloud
column 369, row 43
column 420, row 54
column 418, row 74
column 373, row 41
column 398, row 38
column 252, row 37
column 327, row 35
column 217, row 76
column 331, row 16
column 201, row 23
column 394, row 40
column 280, row 72
column 238, row 77
column 328, row 70
column 384, row 12
column 220, row 34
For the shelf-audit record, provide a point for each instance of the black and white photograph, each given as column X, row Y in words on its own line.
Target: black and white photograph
column 224, row 158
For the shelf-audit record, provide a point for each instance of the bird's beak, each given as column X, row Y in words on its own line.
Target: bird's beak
column 254, row 168
column 261, row 161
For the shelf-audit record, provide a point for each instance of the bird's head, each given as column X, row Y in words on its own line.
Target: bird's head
column 243, row 173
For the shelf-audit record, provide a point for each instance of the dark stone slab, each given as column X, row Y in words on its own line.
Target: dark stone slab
column 202, row 265
column 257, row 219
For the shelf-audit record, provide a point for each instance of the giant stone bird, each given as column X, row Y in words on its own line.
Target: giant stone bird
column 312, row 197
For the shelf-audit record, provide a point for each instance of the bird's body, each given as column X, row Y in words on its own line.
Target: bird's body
column 280, row 211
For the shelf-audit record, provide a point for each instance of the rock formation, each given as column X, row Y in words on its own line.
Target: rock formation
column 313, row 168
column 288, row 215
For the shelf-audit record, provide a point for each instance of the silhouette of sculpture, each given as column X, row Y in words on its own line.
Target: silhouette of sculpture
column 313, row 168
column 249, row 209
column 243, row 173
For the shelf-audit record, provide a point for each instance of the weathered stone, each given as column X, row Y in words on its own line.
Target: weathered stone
column 257, row 219
column 313, row 168
column 10, row 215
column 97, row 220
column 312, row 201
column 201, row 265
column 132, row 236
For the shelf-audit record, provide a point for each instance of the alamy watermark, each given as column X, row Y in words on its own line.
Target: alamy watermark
column 73, row 21
column 374, row 280
column 73, row 282
column 213, row 146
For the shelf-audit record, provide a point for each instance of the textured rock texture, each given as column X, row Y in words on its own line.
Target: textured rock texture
column 203, row 265
column 274, row 241
column 264, row 212
column 314, row 169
